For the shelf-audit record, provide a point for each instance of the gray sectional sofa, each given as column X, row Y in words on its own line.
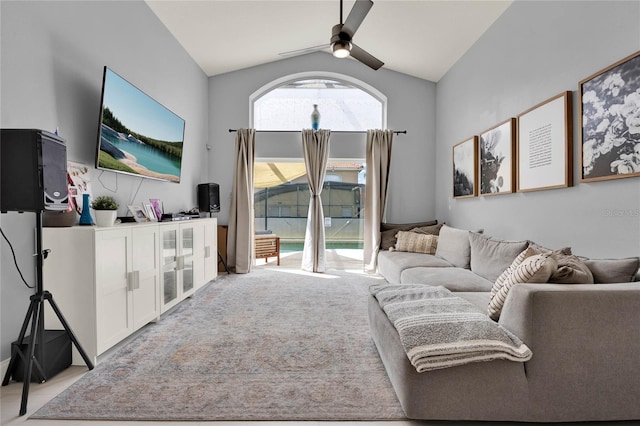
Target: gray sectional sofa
column 585, row 337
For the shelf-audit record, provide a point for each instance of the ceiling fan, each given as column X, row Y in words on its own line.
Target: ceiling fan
column 342, row 37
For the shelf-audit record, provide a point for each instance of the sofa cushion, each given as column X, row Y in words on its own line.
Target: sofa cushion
column 416, row 243
column 454, row 279
column 490, row 258
column 479, row 298
column 454, row 247
column 606, row 271
column 533, row 269
column 392, row 263
column 388, row 231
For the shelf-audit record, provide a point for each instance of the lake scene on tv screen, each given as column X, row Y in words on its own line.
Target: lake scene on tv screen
column 138, row 135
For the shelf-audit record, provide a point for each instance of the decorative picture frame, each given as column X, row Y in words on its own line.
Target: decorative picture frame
column 496, row 159
column 150, row 212
column 157, row 207
column 610, row 122
column 138, row 213
column 465, row 168
column 544, row 146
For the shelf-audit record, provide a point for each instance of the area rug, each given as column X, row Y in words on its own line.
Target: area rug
column 269, row 345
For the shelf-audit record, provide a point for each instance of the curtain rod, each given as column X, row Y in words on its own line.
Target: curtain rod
column 332, row 131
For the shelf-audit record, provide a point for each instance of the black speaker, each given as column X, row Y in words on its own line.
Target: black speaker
column 209, row 197
column 33, row 175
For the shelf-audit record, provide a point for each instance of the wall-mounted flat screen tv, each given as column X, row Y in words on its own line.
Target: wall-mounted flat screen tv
column 137, row 135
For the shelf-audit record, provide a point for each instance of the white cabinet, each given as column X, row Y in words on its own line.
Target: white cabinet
column 178, row 280
column 127, row 282
column 105, row 280
column 206, row 252
column 110, row 282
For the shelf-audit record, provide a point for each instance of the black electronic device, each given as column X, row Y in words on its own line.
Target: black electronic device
column 34, row 171
column 57, row 356
column 209, row 197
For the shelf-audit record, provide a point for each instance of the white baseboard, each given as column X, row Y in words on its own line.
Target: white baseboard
column 4, row 366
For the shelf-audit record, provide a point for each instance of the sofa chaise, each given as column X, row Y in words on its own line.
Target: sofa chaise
column 583, row 333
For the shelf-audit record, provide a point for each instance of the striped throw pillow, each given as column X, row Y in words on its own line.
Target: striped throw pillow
column 416, row 243
column 529, row 251
column 533, row 269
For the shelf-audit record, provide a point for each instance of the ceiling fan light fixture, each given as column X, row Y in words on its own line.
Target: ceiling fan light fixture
column 341, row 49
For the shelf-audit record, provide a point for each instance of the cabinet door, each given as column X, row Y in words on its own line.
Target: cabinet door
column 146, row 284
column 187, row 256
column 169, row 262
column 210, row 250
column 113, row 299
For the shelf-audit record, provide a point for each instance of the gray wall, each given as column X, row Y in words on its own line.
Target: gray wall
column 411, row 106
column 534, row 51
column 53, row 53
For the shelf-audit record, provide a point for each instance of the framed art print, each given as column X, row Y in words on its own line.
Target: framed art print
column 496, row 159
column 150, row 212
column 544, row 154
column 465, row 168
column 610, row 122
column 138, row 213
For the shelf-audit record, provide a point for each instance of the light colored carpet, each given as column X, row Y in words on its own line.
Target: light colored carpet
column 269, row 345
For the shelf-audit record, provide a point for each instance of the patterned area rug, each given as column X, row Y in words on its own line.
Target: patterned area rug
column 269, row 345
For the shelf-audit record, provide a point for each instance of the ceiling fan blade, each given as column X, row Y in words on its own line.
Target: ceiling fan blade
column 305, row 50
column 356, row 16
column 365, row 57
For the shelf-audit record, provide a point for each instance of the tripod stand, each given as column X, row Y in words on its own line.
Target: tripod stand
column 35, row 315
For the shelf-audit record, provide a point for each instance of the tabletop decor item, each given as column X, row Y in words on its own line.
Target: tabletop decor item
column 315, row 117
column 85, row 217
column 106, row 210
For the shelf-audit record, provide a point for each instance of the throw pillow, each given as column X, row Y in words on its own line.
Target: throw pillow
column 516, row 262
column 454, row 247
column 490, row 258
column 416, row 243
column 571, row 270
column 607, row 271
column 533, row 269
column 388, row 231
column 432, row 229
column 541, row 249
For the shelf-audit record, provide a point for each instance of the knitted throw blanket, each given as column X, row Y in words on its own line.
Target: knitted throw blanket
column 439, row 329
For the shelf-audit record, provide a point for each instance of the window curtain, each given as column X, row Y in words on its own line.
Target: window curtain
column 378, row 160
column 241, row 226
column 315, row 145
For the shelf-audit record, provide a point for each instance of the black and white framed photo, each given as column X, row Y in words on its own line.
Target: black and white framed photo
column 138, row 213
column 465, row 168
column 497, row 158
column 610, row 122
column 544, row 145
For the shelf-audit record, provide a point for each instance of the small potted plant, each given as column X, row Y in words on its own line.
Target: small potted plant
column 106, row 210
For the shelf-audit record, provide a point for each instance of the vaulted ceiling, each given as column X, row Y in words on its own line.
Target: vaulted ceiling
column 423, row 38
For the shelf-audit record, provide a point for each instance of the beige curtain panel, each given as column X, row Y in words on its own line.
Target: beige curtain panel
column 240, row 233
column 315, row 145
column 378, row 161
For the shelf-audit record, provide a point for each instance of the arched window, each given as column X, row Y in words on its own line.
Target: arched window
column 281, row 191
column 345, row 104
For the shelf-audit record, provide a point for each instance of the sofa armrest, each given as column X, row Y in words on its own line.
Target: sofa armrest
column 585, row 341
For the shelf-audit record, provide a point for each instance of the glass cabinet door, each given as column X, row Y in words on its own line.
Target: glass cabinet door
column 169, row 263
column 187, row 259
